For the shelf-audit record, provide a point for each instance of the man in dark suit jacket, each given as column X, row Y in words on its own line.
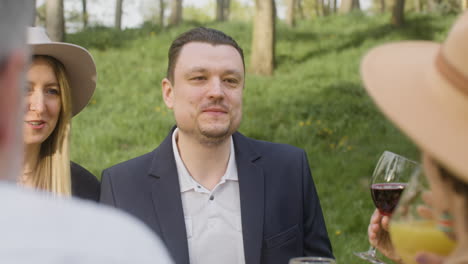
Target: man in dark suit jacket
column 212, row 194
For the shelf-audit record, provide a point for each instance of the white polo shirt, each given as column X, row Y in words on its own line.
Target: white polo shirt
column 212, row 218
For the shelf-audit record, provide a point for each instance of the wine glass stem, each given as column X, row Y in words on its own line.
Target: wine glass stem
column 372, row 251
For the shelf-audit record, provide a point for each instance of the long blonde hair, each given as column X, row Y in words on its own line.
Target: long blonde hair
column 53, row 167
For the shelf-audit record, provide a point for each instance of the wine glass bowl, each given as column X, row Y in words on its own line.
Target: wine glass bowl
column 389, row 180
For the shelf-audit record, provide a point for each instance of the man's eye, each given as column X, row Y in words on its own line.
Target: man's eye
column 231, row 80
column 198, row 78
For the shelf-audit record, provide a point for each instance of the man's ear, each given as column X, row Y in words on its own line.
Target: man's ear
column 168, row 93
column 11, row 74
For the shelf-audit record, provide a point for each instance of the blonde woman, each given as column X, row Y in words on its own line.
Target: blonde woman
column 60, row 82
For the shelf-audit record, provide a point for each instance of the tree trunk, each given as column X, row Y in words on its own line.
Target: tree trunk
column 464, row 5
column 85, row 14
column 318, row 9
column 55, row 22
column 324, row 8
column 118, row 14
column 335, row 6
column 263, row 40
column 349, row 5
column 432, row 5
column 356, row 5
column 290, row 13
column 299, row 9
column 227, row 9
column 33, row 9
column 220, row 10
column 176, row 12
column 382, row 6
column 398, row 14
column 161, row 13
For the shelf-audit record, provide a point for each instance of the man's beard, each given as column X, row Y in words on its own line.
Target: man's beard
column 215, row 138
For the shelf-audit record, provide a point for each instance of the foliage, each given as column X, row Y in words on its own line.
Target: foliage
column 199, row 14
column 448, row 7
column 241, row 11
column 315, row 101
column 102, row 37
column 441, row 7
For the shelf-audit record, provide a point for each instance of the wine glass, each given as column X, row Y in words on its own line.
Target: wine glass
column 388, row 182
column 413, row 229
column 312, row 260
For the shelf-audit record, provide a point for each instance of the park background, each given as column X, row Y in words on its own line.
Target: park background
column 303, row 84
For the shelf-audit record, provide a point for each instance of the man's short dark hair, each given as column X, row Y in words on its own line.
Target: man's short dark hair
column 199, row 34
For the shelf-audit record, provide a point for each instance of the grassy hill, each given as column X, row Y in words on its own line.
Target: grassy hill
column 314, row 101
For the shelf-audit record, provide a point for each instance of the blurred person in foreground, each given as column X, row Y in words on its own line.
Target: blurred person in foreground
column 422, row 87
column 60, row 82
column 212, row 194
column 34, row 226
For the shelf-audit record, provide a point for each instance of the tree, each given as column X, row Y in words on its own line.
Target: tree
column 464, row 5
column 162, row 7
column 290, row 12
column 222, row 9
column 263, row 40
column 432, row 5
column 55, row 22
column 417, row 6
column 398, row 13
column 300, row 9
column 382, row 6
column 118, row 14
column 33, row 20
column 349, row 5
column 176, row 12
column 85, row 14
column 318, row 9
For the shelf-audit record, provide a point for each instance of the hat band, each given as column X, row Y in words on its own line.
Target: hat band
column 451, row 74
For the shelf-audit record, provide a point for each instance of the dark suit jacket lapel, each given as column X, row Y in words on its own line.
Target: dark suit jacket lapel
column 167, row 201
column 251, row 188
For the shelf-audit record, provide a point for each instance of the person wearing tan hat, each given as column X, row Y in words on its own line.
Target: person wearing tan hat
column 422, row 87
column 60, row 82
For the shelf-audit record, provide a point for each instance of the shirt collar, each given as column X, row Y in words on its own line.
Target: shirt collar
column 186, row 182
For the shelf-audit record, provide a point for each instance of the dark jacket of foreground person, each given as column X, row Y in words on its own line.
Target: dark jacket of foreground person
column 280, row 210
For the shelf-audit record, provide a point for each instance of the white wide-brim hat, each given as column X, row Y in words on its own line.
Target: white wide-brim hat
column 423, row 88
column 78, row 62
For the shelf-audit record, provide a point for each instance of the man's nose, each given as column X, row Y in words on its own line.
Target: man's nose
column 216, row 88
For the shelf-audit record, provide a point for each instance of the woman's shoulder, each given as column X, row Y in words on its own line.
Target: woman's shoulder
column 84, row 184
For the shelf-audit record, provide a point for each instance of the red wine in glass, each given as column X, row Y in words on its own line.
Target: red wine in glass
column 387, row 183
column 386, row 196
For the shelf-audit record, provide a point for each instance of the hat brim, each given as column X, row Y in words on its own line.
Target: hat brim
column 402, row 80
column 79, row 66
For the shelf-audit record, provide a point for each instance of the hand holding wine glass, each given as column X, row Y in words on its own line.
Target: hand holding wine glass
column 387, row 183
column 379, row 236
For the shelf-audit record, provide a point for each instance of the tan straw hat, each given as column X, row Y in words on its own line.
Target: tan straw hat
column 78, row 62
column 423, row 87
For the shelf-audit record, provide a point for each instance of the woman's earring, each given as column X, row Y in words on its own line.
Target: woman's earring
column 445, row 224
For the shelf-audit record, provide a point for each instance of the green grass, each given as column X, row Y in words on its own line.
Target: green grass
column 314, row 101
